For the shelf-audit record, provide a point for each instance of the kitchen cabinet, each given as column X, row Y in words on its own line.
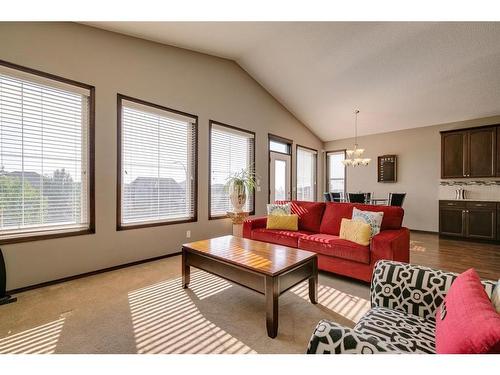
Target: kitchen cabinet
column 470, row 153
column 468, row 219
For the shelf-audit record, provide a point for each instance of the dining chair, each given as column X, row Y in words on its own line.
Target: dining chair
column 396, row 199
column 356, row 197
column 336, row 196
column 368, row 198
column 328, row 197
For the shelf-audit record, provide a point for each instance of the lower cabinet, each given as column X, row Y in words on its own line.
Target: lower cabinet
column 468, row 219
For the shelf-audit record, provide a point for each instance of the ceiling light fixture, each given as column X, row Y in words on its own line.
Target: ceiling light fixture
column 354, row 156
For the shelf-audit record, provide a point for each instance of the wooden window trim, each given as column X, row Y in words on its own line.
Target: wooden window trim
column 315, row 168
column 210, row 123
column 91, row 163
column 119, row 226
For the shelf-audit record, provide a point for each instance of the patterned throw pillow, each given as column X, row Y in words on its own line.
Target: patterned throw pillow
column 279, row 209
column 495, row 297
column 374, row 219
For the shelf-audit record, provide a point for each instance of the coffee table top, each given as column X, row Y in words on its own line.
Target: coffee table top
column 261, row 257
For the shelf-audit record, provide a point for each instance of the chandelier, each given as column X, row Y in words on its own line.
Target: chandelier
column 354, row 156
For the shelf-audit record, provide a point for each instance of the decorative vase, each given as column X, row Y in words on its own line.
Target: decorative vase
column 238, row 195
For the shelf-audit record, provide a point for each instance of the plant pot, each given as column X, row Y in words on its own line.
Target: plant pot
column 238, row 195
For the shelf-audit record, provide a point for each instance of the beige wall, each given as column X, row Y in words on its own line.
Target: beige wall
column 418, row 173
column 209, row 87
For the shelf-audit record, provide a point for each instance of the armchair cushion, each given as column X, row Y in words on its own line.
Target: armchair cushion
column 332, row 338
column 408, row 333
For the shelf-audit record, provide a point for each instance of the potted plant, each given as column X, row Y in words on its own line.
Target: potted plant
column 238, row 184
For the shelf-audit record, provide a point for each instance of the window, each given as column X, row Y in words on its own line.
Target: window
column 157, row 159
column 231, row 150
column 335, row 171
column 46, row 148
column 306, row 174
column 277, row 146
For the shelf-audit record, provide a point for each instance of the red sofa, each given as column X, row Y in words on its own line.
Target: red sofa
column 319, row 227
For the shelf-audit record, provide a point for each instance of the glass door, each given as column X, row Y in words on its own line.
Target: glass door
column 280, row 172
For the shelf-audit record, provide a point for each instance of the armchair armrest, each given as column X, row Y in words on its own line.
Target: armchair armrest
column 392, row 244
column 332, row 338
column 412, row 289
column 253, row 223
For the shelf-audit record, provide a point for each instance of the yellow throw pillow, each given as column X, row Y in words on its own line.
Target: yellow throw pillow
column 355, row 231
column 284, row 222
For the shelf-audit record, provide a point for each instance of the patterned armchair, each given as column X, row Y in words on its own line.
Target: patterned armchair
column 404, row 299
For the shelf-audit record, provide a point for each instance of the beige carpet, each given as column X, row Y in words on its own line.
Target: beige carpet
column 143, row 309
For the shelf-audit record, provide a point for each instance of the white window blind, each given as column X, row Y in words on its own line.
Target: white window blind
column 336, row 172
column 306, row 174
column 158, row 165
column 44, row 156
column 231, row 151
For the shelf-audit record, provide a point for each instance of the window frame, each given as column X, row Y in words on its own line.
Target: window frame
column 91, row 158
column 119, row 104
column 221, row 124
column 327, row 172
column 289, row 142
column 315, row 197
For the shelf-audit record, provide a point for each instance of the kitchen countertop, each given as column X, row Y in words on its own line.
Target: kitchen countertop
column 471, row 200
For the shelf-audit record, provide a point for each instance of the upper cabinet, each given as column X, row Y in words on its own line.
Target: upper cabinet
column 470, row 153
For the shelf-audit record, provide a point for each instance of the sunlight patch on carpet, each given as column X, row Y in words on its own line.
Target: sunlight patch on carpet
column 349, row 306
column 166, row 320
column 39, row 340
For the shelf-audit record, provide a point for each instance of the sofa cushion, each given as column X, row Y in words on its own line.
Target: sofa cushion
column 467, row 322
column 280, row 237
column 330, row 245
column 335, row 212
column 310, row 214
column 406, row 332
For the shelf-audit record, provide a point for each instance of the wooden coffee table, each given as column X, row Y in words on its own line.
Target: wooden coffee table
column 266, row 268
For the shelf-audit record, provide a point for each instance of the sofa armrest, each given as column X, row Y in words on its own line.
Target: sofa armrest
column 253, row 223
column 412, row 289
column 331, row 338
column 392, row 244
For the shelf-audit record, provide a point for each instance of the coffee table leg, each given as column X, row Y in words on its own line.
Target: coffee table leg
column 186, row 270
column 272, row 295
column 313, row 283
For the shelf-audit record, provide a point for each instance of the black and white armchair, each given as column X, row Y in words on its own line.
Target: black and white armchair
column 404, row 299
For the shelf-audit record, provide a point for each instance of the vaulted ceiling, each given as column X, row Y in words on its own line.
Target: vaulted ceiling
column 399, row 75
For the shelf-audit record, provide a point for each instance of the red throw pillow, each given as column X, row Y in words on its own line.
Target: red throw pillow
column 309, row 213
column 466, row 322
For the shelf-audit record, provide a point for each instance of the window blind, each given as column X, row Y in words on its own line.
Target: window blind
column 158, row 165
column 306, row 174
column 231, row 151
column 44, row 156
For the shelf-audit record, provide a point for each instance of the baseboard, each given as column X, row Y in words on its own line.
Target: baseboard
column 91, row 273
column 423, row 231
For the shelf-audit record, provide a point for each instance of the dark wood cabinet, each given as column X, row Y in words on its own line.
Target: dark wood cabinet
column 482, row 152
column 453, row 155
column 452, row 218
column 468, row 219
column 481, row 220
column 470, row 153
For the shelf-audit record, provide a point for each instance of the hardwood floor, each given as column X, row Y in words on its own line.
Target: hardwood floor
column 454, row 255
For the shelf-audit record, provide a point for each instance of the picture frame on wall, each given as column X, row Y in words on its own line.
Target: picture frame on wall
column 387, row 168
